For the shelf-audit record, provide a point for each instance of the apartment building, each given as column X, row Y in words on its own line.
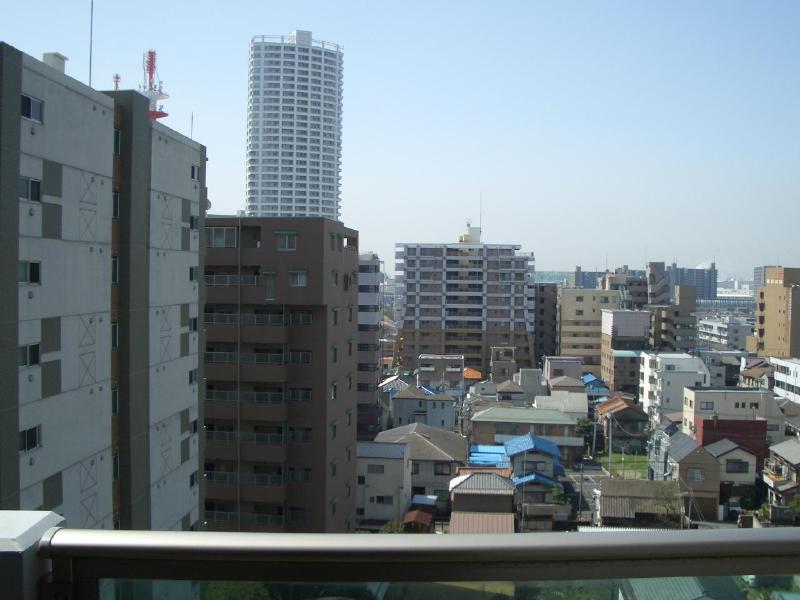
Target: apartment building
column 658, row 286
column 281, row 372
column 632, row 288
column 105, row 420
column 703, row 279
column 733, row 403
column 294, row 126
column 544, row 314
column 370, row 332
column 442, row 374
column 777, row 331
column 724, row 333
column 580, row 324
column 625, row 333
column 662, row 377
column 674, row 326
column 463, row 298
column 760, row 275
column 787, row 378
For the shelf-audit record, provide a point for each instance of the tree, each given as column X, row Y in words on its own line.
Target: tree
column 392, row 527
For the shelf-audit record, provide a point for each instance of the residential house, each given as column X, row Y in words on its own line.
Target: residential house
column 750, row 434
column 756, row 373
column 499, row 424
column 442, row 374
column 384, row 483
column 737, row 468
column 482, row 492
column 723, row 365
column 638, row 503
column 781, row 472
column 435, row 456
column 676, row 456
column 623, row 424
column 413, row 405
column 481, row 522
column 558, row 366
column 532, row 381
column 565, row 383
column 508, row 391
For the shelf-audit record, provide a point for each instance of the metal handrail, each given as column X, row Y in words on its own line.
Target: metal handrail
column 89, row 554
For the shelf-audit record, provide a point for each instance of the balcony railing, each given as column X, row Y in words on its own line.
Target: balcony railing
column 245, row 358
column 228, row 477
column 227, row 437
column 603, row 564
column 215, row 280
column 246, row 396
column 244, row 319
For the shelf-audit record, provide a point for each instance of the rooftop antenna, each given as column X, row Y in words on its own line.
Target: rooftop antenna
column 116, row 79
column 91, row 38
column 149, row 88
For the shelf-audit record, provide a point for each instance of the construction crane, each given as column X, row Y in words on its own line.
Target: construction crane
column 149, row 88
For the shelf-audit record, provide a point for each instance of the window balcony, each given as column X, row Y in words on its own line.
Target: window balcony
column 603, row 564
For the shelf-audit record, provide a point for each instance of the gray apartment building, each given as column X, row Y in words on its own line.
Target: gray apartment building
column 370, row 332
column 99, row 350
column 281, row 374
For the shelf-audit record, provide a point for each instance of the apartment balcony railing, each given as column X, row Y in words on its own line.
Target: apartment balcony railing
column 602, row 564
column 246, row 396
column 244, row 319
column 214, row 280
column 228, row 437
column 249, row 358
column 227, row 477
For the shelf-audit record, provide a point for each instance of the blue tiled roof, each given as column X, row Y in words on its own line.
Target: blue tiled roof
column 536, row 478
column 487, row 449
column 589, row 378
column 489, row 460
column 558, row 469
column 529, row 442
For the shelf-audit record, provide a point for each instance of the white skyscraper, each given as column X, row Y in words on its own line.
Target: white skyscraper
column 294, row 127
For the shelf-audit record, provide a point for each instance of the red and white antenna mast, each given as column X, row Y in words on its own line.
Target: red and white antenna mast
column 154, row 91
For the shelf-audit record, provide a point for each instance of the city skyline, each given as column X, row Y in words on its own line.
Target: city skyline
column 682, row 114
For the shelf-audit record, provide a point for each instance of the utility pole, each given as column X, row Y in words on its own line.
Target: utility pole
column 594, row 432
column 610, row 425
column 580, row 495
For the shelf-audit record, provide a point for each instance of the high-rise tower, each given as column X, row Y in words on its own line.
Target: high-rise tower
column 294, row 127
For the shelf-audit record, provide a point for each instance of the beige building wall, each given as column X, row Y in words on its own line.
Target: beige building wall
column 579, row 324
column 776, row 332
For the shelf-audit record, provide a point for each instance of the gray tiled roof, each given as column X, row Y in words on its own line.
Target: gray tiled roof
column 681, row 446
column 490, row 484
column 510, row 387
column 428, row 443
column 789, row 450
column 380, row 450
column 721, row 447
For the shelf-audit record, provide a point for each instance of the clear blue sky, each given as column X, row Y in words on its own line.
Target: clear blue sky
column 593, row 129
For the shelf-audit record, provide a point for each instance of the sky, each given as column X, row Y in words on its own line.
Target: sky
column 596, row 133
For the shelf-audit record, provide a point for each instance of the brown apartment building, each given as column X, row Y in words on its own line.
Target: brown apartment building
column 674, row 326
column 544, row 313
column 777, row 333
column 281, row 320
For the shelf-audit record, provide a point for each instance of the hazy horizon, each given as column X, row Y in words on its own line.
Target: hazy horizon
column 596, row 134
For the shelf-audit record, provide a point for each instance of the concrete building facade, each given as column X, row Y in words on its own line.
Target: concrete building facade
column 662, row 377
column 724, row 333
column 370, row 332
column 674, row 326
column 580, row 324
column 463, row 298
column 625, row 334
column 544, row 314
column 787, row 378
column 281, row 360
column 703, row 279
column 294, row 126
column 384, row 483
column 99, row 419
column 777, row 329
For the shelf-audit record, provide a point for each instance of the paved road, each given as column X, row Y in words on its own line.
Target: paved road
column 592, row 476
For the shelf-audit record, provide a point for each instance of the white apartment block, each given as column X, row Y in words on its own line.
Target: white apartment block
column 662, row 378
column 384, row 483
column 102, row 240
column 787, row 378
column 370, row 327
column 294, row 127
column 463, row 298
column 724, row 333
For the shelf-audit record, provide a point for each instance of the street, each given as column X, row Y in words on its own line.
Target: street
column 593, row 475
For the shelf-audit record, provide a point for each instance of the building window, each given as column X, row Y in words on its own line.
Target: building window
column 221, row 237
column 114, row 269
column 32, row 108
column 375, row 469
column 192, row 273
column 115, row 205
column 194, row 173
column 298, row 279
column 706, row 406
column 268, row 280
column 193, row 221
column 114, row 335
column 30, row 439
column 300, row 317
column 361, row 480
column 384, row 499
column 335, row 316
column 334, row 391
column 297, row 435
column 29, row 189
column 441, row 468
column 349, row 381
column 29, row 272
column 299, row 394
column 333, row 468
column 414, row 467
column 334, row 354
column 737, row 466
column 334, row 278
column 193, row 324
column 349, row 347
column 350, row 314
column 333, row 430
column 193, row 479
column 29, row 355
column 300, row 357
column 286, row 240
column 349, row 417
column 695, row 474
column 114, row 401
column 117, row 142
column 192, row 376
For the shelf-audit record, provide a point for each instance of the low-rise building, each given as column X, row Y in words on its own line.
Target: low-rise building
column 384, row 483
column 481, row 522
column 558, row 366
column 508, row 391
column 413, row 405
column 750, row 434
column 786, row 372
column 574, row 404
column 638, row 503
column 482, row 492
column 781, row 471
column 737, row 468
column 532, row 381
column 623, row 424
column 499, row 424
column 435, row 456
column 565, row 383
column 723, row 365
column 442, row 374
column 625, row 333
column 733, row 403
column 502, row 364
